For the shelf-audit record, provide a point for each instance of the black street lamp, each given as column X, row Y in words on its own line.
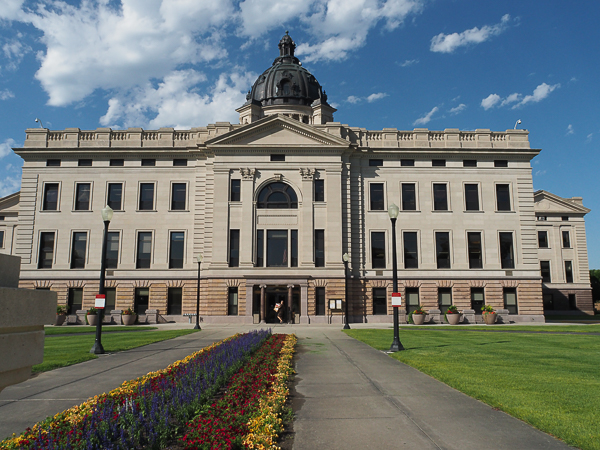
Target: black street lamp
column 346, row 258
column 197, row 327
column 97, row 349
column 393, row 211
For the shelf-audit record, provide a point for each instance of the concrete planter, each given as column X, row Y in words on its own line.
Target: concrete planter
column 418, row 319
column 128, row 319
column 92, row 319
column 60, row 319
column 489, row 318
column 453, row 319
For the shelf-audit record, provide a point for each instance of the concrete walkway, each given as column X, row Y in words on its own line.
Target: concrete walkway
column 348, row 395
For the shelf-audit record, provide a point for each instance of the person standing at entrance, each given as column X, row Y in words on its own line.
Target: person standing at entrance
column 280, row 309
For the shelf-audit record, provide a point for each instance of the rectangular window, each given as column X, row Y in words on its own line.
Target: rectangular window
column 112, row 249
column 444, row 299
column 565, row 218
column 277, row 248
column 78, row 250
column 140, row 301
column 510, row 300
column 438, row 163
column 442, row 249
column 1, row 238
column 507, row 258
column 232, row 301
column 176, row 250
column 379, row 302
column 500, row 163
column 407, row 162
column 378, row 249
column 319, row 190
column 440, row 197
column 572, row 302
column 411, row 256
column 469, row 163
column 144, row 250
column 235, row 194
column 146, row 197
column 320, row 301
column 115, row 196
column 116, row 162
column 260, row 248
column 474, row 248
column 377, row 200
column 234, row 248
column 566, row 238
column 375, row 162
column 278, row 157
column 148, row 162
column 409, row 198
column 294, row 249
column 174, row 301
column 503, row 197
column 75, row 300
column 319, row 248
column 53, row 163
column 46, row 250
column 412, row 299
column 548, row 300
column 84, row 162
column 477, row 299
column 178, row 196
column 82, row 196
column 542, row 239
column 545, row 270
column 110, row 294
column 180, row 162
column 472, row 197
column 50, row 202
column 569, row 271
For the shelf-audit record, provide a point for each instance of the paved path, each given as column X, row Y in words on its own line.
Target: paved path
column 348, row 395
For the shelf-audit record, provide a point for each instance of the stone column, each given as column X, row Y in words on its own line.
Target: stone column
column 307, row 220
column 220, row 253
column 333, row 239
column 289, row 305
column 263, row 304
column 304, row 302
column 247, row 229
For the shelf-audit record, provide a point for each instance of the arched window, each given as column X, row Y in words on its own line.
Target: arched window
column 277, row 195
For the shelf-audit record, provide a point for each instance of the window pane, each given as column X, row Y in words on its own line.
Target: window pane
column 474, row 243
column 146, row 196
column 115, row 195
column 82, row 197
column 144, row 250
column 277, row 248
column 500, row 163
column 176, row 250
column 140, row 303
column 470, row 163
column 472, row 197
column 477, row 299
column 84, row 162
column 542, row 239
column 377, row 201
column 319, row 248
column 1, row 238
column 112, row 250
column 50, row 197
column 294, row 250
column 409, row 201
column 277, row 195
column 178, row 196
column 438, row 162
column 503, row 197
column 510, row 300
column 232, row 302
column 320, row 301
column 148, row 162
column 234, row 248
column 46, row 251
column 545, row 270
column 412, row 299
column 75, row 300
column 379, row 301
column 569, row 271
column 174, row 300
column 111, row 298
column 407, row 162
column 78, row 250
column 319, row 190
column 235, row 190
column 442, row 247
column 444, row 299
column 180, row 162
column 375, row 162
column 440, row 197
column 117, row 162
column 53, row 163
column 566, row 239
column 378, row 250
column 260, row 248
column 506, row 251
column 411, row 257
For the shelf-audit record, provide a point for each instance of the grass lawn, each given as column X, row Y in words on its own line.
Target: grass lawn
column 549, row 381
column 51, row 330
column 61, row 351
column 594, row 328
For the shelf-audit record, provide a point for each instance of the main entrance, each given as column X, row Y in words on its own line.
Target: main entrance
column 276, row 294
column 273, row 295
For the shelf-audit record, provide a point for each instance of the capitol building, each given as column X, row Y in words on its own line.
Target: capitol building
column 273, row 203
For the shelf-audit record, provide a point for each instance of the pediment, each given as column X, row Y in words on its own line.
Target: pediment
column 10, row 203
column 546, row 202
column 280, row 132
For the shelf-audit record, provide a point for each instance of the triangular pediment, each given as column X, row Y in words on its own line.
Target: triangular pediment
column 278, row 132
column 546, row 202
column 9, row 205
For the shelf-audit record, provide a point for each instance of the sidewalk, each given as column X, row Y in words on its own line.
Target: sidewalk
column 348, row 395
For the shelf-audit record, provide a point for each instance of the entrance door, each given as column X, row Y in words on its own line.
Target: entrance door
column 275, row 294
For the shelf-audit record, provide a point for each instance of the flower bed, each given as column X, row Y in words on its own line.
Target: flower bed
column 248, row 414
column 146, row 412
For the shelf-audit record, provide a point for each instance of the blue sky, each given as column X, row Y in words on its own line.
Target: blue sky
column 398, row 63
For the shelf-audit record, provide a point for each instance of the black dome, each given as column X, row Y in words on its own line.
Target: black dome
column 286, row 82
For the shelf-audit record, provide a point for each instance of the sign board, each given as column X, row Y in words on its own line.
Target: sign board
column 100, row 301
column 335, row 304
column 396, row 299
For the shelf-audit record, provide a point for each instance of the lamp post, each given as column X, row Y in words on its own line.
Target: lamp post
column 393, row 211
column 197, row 327
column 107, row 214
column 346, row 258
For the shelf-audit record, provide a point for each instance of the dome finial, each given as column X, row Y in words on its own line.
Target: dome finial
column 286, row 46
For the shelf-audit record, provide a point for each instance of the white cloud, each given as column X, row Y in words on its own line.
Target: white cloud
column 426, row 118
column 409, row 62
column 259, row 16
column 490, row 101
column 10, row 185
column 539, row 94
column 458, row 109
column 570, row 130
column 6, row 94
column 371, row 98
column 589, row 138
column 447, row 43
column 6, row 147
column 540, row 172
column 14, row 50
column 11, row 9
column 511, row 99
column 353, row 99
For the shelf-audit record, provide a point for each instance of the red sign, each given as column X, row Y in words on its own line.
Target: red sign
column 100, row 301
column 396, row 299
